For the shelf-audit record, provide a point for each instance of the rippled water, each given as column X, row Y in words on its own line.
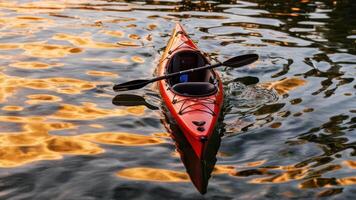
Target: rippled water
column 289, row 123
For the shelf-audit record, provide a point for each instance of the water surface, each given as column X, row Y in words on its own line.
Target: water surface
column 290, row 134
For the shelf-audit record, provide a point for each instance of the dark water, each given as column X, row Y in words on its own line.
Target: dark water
column 291, row 135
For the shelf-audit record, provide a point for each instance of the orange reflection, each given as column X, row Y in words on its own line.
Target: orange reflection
column 286, row 176
column 43, row 50
column 223, row 169
column 18, row 119
column 128, row 43
column 317, row 182
column 96, row 125
column 350, row 163
column 276, row 125
column 134, row 36
column 34, row 143
column 131, row 26
column 118, row 34
column 34, row 65
column 330, row 192
column 12, row 108
column 36, row 7
column 10, row 84
column 347, row 181
column 153, row 174
column 327, row 182
column 72, row 145
column 89, row 111
column 121, row 19
column 120, row 138
column 285, row 85
column 100, row 73
column 137, row 59
column 256, row 163
column 6, row 57
column 83, row 41
column 29, row 24
column 163, row 135
column 9, row 46
column 42, row 98
column 308, row 110
column 115, row 60
column 152, row 27
column 13, row 156
column 120, row 60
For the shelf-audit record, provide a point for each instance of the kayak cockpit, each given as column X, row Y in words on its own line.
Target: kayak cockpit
column 196, row 84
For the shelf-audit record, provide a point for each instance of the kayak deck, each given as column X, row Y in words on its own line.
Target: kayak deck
column 195, row 100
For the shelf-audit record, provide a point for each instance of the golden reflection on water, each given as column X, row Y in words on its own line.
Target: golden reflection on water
column 153, row 174
column 24, row 25
column 12, row 108
column 72, row 145
column 255, row 163
column 285, row 85
column 163, row 175
column 134, row 36
column 163, row 135
column 347, row 181
column 100, row 73
column 286, row 176
column 118, row 34
column 34, row 7
column 43, row 50
column 350, row 163
column 120, row 60
column 152, row 27
column 137, row 59
column 115, row 60
column 96, row 126
column 327, row 182
column 13, row 156
column 120, row 138
column 10, row 84
column 42, row 98
column 34, row 65
column 34, row 143
column 89, row 111
column 283, row 174
column 223, row 169
column 83, row 41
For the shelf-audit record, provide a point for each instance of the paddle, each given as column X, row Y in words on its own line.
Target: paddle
column 247, row 80
column 234, row 62
column 132, row 100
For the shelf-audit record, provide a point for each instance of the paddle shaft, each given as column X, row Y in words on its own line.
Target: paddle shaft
column 184, row 72
column 234, row 62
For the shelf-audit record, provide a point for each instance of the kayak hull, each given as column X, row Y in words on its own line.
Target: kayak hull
column 195, row 116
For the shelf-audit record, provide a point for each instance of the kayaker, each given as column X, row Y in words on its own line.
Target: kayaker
column 186, row 62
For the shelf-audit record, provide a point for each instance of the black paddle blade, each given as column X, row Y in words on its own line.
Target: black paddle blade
column 247, row 80
column 132, row 100
column 240, row 61
column 131, row 85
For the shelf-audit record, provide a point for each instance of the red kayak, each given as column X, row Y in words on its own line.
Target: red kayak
column 195, row 99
